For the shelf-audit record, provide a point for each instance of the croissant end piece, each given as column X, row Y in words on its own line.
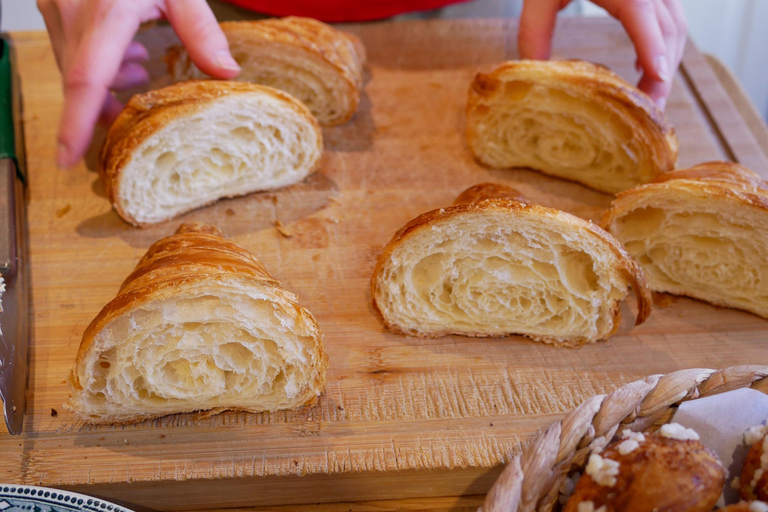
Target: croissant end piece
column 199, row 325
column 499, row 266
column 184, row 146
column 700, row 232
column 570, row 119
column 316, row 63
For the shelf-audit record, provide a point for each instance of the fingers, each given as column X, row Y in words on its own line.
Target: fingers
column 537, row 24
column 676, row 12
column 640, row 20
column 135, row 52
column 130, row 75
column 54, row 25
column 199, row 31
column 654, row 26
column 110, row 110
column 657, row 90
column 91, row 71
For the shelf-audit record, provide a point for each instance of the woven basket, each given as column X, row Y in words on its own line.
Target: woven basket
column 532, row 479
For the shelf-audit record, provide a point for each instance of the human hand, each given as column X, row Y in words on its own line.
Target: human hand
column 657, row 28
column 94, row 47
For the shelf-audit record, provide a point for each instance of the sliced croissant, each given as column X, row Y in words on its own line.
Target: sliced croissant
column 187, row 145
column 492, row 267
column 316, row 63
column 700, row 232
column 199, row 325
column 570, row 119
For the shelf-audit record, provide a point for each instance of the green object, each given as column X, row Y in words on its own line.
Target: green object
column 7, row 142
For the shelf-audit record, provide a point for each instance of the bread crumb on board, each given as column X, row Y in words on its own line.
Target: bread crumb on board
column 280, row 227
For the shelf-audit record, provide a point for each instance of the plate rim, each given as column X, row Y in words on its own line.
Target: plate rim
column 84, row 502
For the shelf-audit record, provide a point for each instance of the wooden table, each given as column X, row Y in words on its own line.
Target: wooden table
column 401, row 417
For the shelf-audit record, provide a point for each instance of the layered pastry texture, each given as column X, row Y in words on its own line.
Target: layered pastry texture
column 569, row 119
column 499, row 266
column 198, row 326
column 316, row 63
column 671, row 471
column 700, row 232
column 184, row 146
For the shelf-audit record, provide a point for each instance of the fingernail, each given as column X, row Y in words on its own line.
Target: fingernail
column 662, row 68
column 662, row 103
column 225, row 61
column 62, row 156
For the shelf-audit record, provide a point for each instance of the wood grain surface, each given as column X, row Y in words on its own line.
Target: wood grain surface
column 400, row 416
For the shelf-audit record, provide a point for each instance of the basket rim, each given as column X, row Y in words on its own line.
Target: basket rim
column 531, row 480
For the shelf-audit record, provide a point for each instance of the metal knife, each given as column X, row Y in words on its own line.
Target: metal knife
column 14, row 340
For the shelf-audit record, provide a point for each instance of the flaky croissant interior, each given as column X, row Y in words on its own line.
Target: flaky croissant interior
column 694, row 243
column 208, row 345
column 524, row 116
column 317, row 64
column 199, row 325
column 294, row 71
column 232, row 145
column 498, row 269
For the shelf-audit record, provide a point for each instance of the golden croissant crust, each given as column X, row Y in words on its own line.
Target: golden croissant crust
column 700, row 232
column 187, row 145
column 499, row 266
column 657, row 473
column 199, row 325
column 570, row 119
column 316, row 63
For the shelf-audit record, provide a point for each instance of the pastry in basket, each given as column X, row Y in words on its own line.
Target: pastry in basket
column 198, row 326
column 670, row 471
column 316, row 63
column 700, row 232
column 499, row 266
column 569, row 119
column 189, row 144
column 754, row 476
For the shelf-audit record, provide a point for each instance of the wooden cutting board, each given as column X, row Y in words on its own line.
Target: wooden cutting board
column 400, row 416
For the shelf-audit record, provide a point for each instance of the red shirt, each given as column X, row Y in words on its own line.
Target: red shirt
column 341, row 10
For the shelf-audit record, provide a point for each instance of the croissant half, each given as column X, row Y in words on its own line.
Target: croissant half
column 184, row 146
column 492, row 267
column 570, row 119
column 700, row 232
column 316, row 63
column 199, row 325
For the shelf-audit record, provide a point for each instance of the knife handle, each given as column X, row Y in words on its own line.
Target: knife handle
column 7, row 142
column 8, row 198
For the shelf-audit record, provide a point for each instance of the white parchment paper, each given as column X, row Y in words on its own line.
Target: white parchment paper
column 721, row 421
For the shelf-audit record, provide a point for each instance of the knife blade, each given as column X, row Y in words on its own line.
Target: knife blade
column 14, row 340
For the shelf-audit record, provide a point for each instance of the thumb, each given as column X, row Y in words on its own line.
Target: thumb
column 200, row 33
column 537, row 24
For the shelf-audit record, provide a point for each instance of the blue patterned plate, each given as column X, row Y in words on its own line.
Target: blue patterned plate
column 27, row 498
